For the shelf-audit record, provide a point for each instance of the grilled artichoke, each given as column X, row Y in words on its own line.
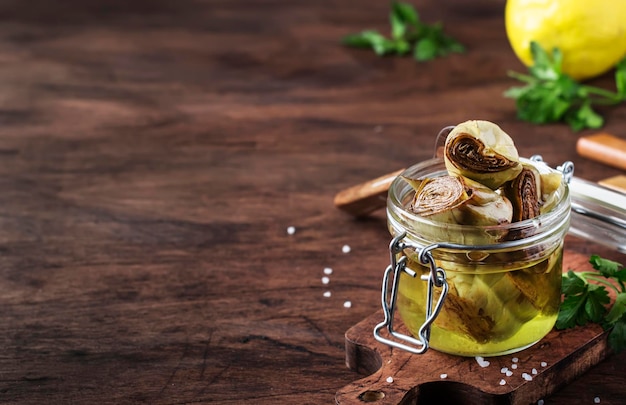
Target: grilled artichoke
column 532, row 193
column 481, row 151
column 458, row 200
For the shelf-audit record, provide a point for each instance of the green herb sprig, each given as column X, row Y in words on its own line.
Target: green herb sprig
column 408, row 35
column 586, row 300
column 552, row 96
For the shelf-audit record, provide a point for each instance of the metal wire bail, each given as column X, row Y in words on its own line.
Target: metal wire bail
column 389, row 292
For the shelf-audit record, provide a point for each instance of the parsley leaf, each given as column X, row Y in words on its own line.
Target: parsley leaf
column 597, row 298
column 408, row 35
column 608, row 268
column 620, row 77
column 586, row 299
column 573, row 284
column 583, row 302
column 617, row 336
column 402, row 16
column 374, row 40
column 549, row 95
column 618, row 309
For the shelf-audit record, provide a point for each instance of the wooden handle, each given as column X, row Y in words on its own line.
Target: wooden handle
column 367, row 197
column 617, row 183
column 604, row 148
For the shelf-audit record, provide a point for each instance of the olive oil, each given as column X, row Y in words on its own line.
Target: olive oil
column 487, row 313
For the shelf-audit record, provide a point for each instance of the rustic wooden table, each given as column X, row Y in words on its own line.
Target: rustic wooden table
column 154, row 154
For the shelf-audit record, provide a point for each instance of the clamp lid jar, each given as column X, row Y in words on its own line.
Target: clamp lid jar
column 471, row 290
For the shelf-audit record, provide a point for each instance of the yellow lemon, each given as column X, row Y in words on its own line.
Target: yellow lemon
column 590, row 34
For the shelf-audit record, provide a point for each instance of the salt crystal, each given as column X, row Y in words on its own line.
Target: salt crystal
column 328, row 270
column 509, row 373
column 345, row 249
column 596, row 400
column 544, row 364
column 514, row 366
column 443, row 376
column 504, row 370
column 482, row 362
column 291, row 230
column 347, row 304
column 325, row 280
column 390, row 379
column 527, row 376
column 540, row 402
column 327, row 294
column 502, row 382
column 514, row 359
column 534, row 371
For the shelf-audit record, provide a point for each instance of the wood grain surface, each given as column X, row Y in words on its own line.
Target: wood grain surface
column 153, row 155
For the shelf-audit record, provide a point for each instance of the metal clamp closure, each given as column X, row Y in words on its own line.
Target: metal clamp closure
column 435, row 278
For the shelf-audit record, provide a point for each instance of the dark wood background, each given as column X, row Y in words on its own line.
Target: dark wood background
column 153, row 155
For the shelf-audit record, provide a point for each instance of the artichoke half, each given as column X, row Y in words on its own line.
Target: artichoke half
column 458, row 200
column 532, row 193
column 482, row 151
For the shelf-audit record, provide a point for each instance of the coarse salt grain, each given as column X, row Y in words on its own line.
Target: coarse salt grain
column 482, row 362
column 327, row 294
column 291, row 230
column 514, row 359
column 544, row 364
column 390, row 379
column 347, row 304
column 345, row 249
column 325, row 280
column 534, row 371
column 502, row 381
column 596, row 400
column 509, row 373
column 443, row 376
column 540, row 402
column 328, row 270
column 527, row 376
column 504, row 370
column 514, row 366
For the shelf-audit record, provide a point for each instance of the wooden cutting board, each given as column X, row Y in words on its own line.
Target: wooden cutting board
column 398, row 377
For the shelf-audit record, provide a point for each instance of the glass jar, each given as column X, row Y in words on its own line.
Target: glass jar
column 473, row 290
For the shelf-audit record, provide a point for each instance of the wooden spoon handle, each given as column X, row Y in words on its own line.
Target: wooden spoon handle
column 604, row 148
column 364, row 198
